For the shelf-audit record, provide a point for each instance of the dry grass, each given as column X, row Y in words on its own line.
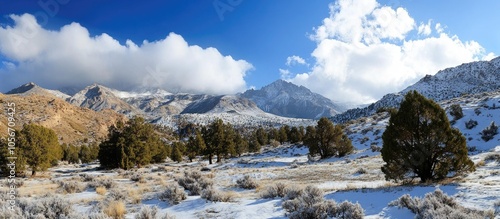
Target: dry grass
column 115, row 209
column 101, row 190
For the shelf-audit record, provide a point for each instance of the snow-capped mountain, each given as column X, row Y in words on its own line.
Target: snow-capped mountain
column 469, row 78
column 286, row 99
column 98, row 98
column 32, row 88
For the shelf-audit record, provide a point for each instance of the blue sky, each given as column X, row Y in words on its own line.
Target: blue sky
column 258, row 36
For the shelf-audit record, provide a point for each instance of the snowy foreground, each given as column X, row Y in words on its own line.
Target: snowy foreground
column 340, row 179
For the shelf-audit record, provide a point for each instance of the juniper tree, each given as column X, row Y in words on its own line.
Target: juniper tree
column 327, row 140
column 135, row 143
column 39, row 146
column 419, row 141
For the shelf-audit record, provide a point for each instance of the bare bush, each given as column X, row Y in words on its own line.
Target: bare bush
column 117, row 195
column 148, row 212
column 102, row 182
column 311, row 204
column 214, row 195
column 437, row 205
column 277, row 190
column 195, row 182
column 246, row 182
column 173, row 194
column 70, row 186
column 137, row 177
column 45, row 207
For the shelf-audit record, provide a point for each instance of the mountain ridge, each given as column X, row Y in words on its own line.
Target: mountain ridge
column 467, row 78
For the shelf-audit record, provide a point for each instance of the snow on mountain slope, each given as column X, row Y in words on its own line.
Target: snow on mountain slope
column 286, row 99
column 483, row 108
column 32, row 88
column 469, row 78
column 98, row 98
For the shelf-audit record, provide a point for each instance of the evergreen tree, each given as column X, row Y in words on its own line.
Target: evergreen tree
column 261, row 136
column 241, row 144
column 420, row 141
column 40, row 147
column 295, row 135
column 135, row 143
column 195, row 145
column 177, row 149
column 327, row 140
column 283, row 134
column 6, row 164
column 70, row 153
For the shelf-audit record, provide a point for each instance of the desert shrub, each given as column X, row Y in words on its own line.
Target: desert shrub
column 456, row 111
column 492, row 157
column 214, row 195
column 115, row 209
column 246, row 182
column 46, row 207
column 98, row 215
column 292, row 192
column 489, row 132
column 361, row 171
column 117, row 195
column 471, row 124
column 87, row 177
column 147, row 212
column 195, row 182
column 375, row 148
column 437, row 205
column 138, row 178
column 277, row 190
column 311, row 204
column 102, row 182
column 173, row 194
column 70, row 186
column 101, row 190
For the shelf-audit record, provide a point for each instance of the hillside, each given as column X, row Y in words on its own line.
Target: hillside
column 71, row 123
column 469, row 78
column 289, row 100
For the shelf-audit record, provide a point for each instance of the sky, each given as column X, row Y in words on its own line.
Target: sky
column 347, row 50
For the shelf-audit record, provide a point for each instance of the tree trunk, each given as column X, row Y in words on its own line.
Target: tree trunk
column 33, row 172
column 210, row 159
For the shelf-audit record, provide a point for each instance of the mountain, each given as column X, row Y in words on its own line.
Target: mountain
column 71, row 123
column 223, row 104
column 289, row 100
column 469, row 78
column 98, row 98
column 32, row 88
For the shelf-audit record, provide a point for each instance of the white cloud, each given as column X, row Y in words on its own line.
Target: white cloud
column 285, row 74
column 292, row 60
column 425, row 29
column 363, row 52
column 71, row 57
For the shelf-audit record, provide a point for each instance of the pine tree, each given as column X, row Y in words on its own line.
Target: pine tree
column 283, row 134
column 195, row 145
column 420, row 141
column 177, row 148
column 295, row 135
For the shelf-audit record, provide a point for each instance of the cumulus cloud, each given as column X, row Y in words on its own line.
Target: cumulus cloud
column 292, row 60
column 71, row 57
column 365, row 50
